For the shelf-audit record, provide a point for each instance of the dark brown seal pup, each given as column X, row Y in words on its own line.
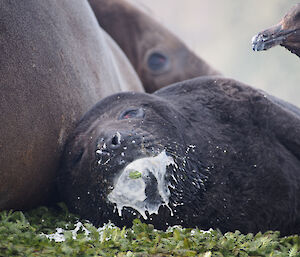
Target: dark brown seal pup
column 55, row 64
column 286, row 33
column 208, row 152
column 158, row 56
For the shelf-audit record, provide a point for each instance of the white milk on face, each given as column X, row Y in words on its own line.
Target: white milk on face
column 130, row 191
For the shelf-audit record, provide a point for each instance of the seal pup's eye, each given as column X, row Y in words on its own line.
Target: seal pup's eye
column 132, row 113
column 157, row 62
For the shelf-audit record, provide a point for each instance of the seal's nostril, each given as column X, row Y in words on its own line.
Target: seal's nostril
column 116, row 140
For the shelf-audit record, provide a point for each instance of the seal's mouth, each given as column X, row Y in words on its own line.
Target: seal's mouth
column 271, row 37
column 142, row 185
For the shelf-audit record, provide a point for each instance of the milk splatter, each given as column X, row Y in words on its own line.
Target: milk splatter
column 59, row 236
column 131, row 192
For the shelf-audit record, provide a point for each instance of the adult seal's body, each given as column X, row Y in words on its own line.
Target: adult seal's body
column 208, row 152
column 55, row 64
column 158, row 56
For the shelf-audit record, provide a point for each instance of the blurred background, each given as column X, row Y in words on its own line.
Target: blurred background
column 220, row 31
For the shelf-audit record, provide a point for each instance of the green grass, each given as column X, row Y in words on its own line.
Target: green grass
column 23, row 234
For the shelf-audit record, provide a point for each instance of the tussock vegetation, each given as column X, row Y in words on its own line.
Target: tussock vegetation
column 27, row 234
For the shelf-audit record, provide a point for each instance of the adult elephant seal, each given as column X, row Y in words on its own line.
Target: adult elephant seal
column 208, row 152
column 55, row 64
column 158, row 56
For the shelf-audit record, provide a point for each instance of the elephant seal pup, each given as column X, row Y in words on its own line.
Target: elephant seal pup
column 286, row 33
column 158, row 56
column 207, row 152
column 56, row 63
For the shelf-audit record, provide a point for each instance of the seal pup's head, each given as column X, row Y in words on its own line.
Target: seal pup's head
column 286, row 33
column 128, row 159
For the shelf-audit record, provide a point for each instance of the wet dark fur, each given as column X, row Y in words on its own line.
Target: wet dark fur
column 243, row 173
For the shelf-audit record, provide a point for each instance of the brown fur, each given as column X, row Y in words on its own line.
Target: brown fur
column 55, row 64
column 139, row 36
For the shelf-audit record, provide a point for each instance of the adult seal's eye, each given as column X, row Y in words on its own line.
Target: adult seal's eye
column 157, row 62
column 132, row 113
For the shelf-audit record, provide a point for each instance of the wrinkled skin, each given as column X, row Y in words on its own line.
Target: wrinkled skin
column 286, row 33
column 55, row 64
column 158, row 56
column 236, row 149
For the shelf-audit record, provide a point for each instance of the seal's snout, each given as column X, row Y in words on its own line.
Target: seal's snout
column 111, row 141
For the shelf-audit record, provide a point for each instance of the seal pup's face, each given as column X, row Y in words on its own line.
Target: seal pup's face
column 124, row 161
